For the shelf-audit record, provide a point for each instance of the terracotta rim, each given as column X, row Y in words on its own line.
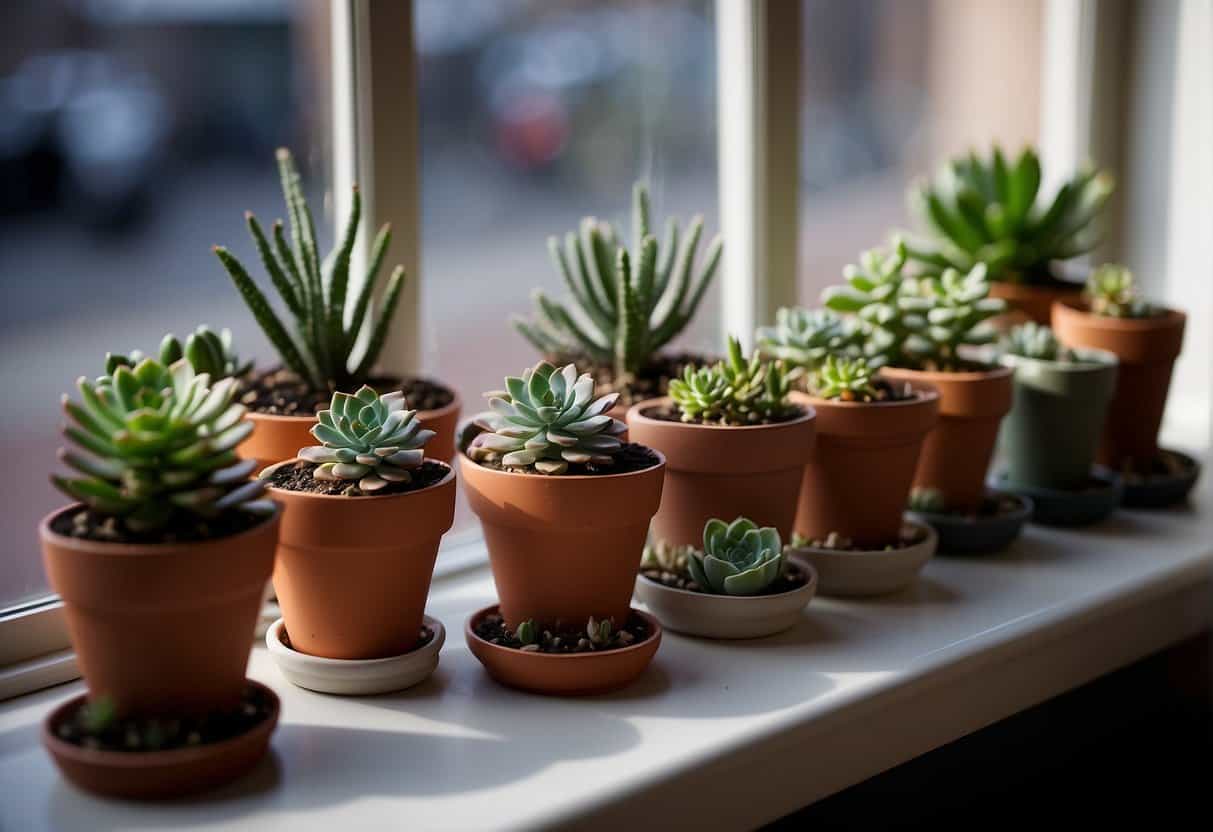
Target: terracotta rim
column 989, row 372
column 922, row 393
column 459, row 447
column 1165, row 319
column 655, row 632
column 450, row 475
column 801, row 562
column 81, row 544
column 636, row 412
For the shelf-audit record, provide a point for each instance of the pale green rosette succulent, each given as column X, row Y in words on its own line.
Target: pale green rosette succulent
column 738, row 558
column 805, row 337
column 369, row 438
column 1112, row 292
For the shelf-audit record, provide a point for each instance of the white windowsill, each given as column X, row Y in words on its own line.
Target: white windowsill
column 854, row 689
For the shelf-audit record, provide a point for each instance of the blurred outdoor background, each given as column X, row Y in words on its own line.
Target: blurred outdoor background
column 134, row 134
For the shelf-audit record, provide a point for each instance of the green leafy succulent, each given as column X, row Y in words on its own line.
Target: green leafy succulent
column 986, row 211
column 958, row 308
column 1033, row 340
column 1111, row 291
column 369, row 438
column 160, row 445
column 206, row 351
column 666, row 556
column 627, row 305
column 845, row 379
column 805, row 337
column 927, row 501
column 738, row 558
column 315, row 292
column 734, row 391
column 546, row 419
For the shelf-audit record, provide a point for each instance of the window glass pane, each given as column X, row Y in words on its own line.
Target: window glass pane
column 132, row 138
column 535, row 114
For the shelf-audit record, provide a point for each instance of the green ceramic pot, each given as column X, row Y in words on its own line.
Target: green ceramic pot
column 1050, row 436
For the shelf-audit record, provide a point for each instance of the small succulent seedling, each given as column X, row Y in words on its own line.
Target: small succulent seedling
column 600, row 630
column 666, row 556
column 160, row 445
column 805, row 337
column 627, row 305
column 987, row 211
column 1033, row 340
column 844, row 379
column 206, row 351
column 546, row 419
column 369, row 438
column 527, row 633
column 959, row 306
column 1111, row 291
column 927, row 501
column 315, row 292
column 734, row 391
column 738, row 558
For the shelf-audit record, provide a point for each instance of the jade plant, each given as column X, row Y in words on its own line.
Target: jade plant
column 991, row 210
column 1111, row 291
column 804, row 338
column 1033, row 340
column 328, row 318
column 159, row 448
column 844, row 379
column 545, row 420
column 207, row 352
column 733, row 391
column 367, row 438
column 738, row 558
column 626, row 305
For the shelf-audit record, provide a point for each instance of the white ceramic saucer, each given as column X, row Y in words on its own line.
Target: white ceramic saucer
column 877, row 572
column 356, row 677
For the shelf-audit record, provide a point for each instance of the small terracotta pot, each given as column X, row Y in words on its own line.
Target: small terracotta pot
column 1030, row 301
column 279, row 438
column 353, row 573
column 726, row 472
column 1147, row 349
column 957, row 451
column 563, row 547
column 162, row 629
column 858, row 481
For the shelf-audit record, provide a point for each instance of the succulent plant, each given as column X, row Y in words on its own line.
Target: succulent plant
column 927, row 501
column 734, row 391
column 986, row 211
column 627, row 305
column 369, row 438
column 738, row 558
column 599, row 634
column 207, row 352
column 315, row 292
column 844, row 379
column 666, row 556
column 527, row 632
column 1033, row 340
column 805, row 337
column 1111, row 291
column 958, row 308
column 546, row 419
column 160, row 445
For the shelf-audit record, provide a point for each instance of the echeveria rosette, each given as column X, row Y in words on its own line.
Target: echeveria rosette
column 546, row 419
column 369, row 438
column 805, row 337
column 160, row 445
column 734, row 391
column 986, row 210
column 844, row 379
column 738, row 558
column 1033, row 340
column 958, row 308
column 1111, row 291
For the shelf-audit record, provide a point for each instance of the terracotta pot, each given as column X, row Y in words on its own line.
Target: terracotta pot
column 858, row 481
column 162, row 628
column 727, row 472
column 563, row 547
column 353, row 573
column 1030, row 301
column 957, row 451
column 1147, row 349
column 1050, row 436
column 279, row 438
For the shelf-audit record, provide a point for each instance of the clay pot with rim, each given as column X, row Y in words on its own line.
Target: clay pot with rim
column 162, row 628
column 858, row 481
column 957, row 452
column 278, row 438
column 353, row 573
column 1147, row 349
column 725, row 471
column 563, row 547
column 1031, row 301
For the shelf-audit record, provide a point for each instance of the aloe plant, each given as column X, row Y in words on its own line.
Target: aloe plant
column 733, row 391
column 157, row 446
column 1111, row 291
column 626, row 305
column 738, row 558
column 316, row 292
column 207, row 352
column 991, row 211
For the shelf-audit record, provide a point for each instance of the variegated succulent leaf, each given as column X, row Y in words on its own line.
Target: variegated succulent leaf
column 738, row 558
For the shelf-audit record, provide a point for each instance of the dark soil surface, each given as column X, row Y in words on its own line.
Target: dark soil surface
column 652, row 381
column 1165, row 466
column 671, row 413
column 792, row 578
column 910, row 536
column 87, row 524
column 427, row 635
column 562, row 639
column 631, row 458
column 91, row 726
column 280, row 392
column 990, row 507
column 298, row 477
